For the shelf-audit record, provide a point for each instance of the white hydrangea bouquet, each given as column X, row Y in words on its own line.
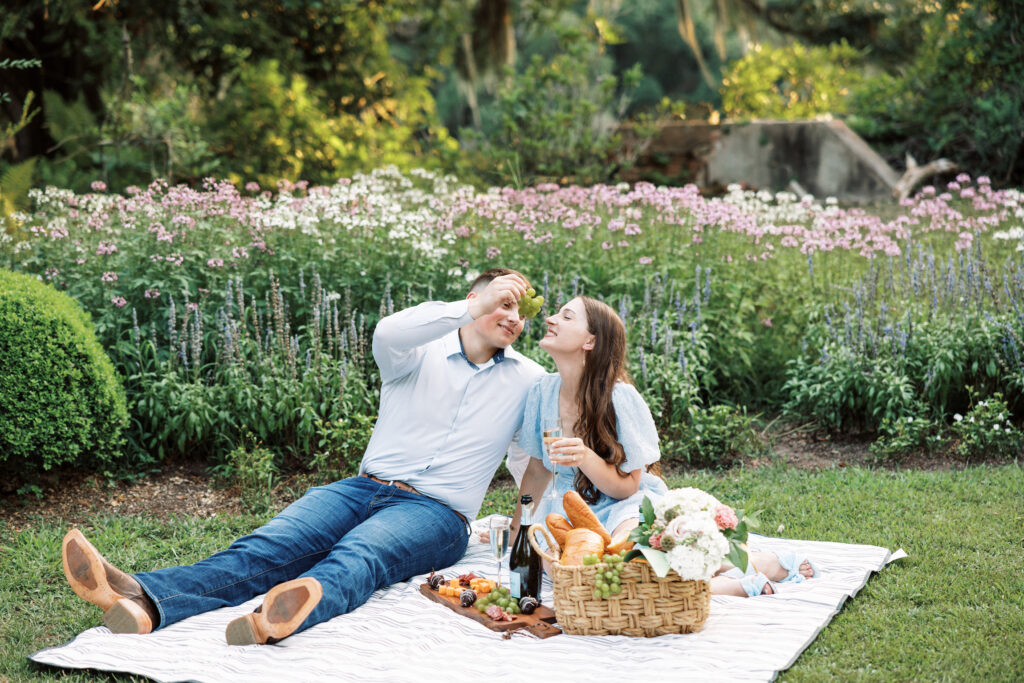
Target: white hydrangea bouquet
column 691, row 532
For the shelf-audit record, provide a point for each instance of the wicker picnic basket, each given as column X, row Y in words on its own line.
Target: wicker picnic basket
column 647, row 606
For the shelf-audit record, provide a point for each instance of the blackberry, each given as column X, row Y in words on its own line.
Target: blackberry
column 528, row 604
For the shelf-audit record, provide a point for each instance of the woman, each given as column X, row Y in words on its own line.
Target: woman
column 608, row 437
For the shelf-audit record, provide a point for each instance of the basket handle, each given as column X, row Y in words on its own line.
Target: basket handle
column 552, row 543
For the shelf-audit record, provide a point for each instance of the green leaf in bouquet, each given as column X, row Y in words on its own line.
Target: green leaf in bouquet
column 632, row 555
column 658, row 560
column 737, row 557
column 751, row 518
column 639, row 535
column 647, row 508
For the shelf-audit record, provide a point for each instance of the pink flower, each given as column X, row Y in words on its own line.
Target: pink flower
column 493, row 252
column 119, row 301
column 767, row 322
column 679, row 529
column 645, row 260
column 215, row 263
column 109, row 277
column 725, row 517
column 252, row 187
column 606, row 245
column 655, row 541
column 98, row 186
column 151, row 294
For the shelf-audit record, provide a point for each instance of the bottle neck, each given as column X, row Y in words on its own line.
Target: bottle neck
column 526, row 512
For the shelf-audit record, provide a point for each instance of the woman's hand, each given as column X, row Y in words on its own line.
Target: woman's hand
column 609, row 480
column 570, row 452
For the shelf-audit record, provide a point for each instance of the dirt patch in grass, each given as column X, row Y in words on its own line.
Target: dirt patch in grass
column 185, row 488
column 180, row 488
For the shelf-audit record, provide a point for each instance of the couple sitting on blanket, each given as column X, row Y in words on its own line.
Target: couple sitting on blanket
column 454, row 394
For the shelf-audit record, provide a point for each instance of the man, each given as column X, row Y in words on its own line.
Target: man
column 452, row 397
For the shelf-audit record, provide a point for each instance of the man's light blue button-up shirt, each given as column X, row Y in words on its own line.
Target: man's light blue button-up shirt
column 444, row 423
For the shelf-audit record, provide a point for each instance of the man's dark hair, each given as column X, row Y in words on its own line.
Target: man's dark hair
column 484, row 278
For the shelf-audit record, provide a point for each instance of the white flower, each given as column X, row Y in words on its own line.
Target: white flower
column 909, row 420
column 958, row 417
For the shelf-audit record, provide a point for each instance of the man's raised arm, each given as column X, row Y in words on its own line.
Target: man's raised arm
column 398, row 339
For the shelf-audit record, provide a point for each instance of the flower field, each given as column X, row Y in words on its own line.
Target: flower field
column 242, row 317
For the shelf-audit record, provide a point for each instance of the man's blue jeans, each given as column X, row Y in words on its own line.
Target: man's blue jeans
column 353, row 536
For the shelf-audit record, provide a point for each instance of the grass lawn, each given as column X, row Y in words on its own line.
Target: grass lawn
column 952, row 610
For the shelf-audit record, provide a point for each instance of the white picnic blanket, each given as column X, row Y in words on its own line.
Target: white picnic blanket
column 400, row 635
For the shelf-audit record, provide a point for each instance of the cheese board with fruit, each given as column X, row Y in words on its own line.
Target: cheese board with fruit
column 486, row 603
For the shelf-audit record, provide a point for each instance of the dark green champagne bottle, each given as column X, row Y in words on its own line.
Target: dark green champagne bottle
column 523, row 561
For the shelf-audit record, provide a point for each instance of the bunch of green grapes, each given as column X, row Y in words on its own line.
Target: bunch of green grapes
column 499, row 596
column 607, row 581
column 530, row 304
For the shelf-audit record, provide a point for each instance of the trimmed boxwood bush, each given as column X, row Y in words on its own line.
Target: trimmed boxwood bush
column 60, row 400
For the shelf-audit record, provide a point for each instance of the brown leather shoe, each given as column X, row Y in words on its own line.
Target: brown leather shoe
column 283, row 610
column 126, row 607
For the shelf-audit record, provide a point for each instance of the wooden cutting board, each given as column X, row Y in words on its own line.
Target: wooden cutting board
column 539, row 623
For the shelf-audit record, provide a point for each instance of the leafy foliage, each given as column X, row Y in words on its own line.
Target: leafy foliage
column 960, row 96
column 791, row 82
column 556, row 119
column 987, row 430
column 60, row 401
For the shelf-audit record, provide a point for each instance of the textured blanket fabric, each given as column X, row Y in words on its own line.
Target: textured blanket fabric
column 399, row 635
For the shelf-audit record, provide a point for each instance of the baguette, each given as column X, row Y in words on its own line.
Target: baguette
column 616, row 548
column 559, row 527
column 580, row 543
column 582, row 517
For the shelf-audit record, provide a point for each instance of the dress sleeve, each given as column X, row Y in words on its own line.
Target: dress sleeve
column 529, row 439
column 637, row 433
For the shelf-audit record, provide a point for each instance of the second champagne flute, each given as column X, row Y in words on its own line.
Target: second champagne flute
column 499, row 531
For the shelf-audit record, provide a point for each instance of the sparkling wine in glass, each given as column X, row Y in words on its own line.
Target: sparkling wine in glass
column 499, row 530
column 552, row 432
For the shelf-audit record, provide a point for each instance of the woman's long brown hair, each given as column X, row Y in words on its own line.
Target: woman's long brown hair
column 604, row 366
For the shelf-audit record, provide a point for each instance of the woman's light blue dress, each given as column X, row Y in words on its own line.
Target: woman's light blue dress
column 636, row 433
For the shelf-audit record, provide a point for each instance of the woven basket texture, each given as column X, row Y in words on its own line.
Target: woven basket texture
column 647, row 606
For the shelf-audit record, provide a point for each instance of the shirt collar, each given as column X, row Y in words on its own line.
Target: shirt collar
column 453, row 346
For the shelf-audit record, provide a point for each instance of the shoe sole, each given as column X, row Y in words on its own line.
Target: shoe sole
column 127, row 616
column 84, row 571
column 284, row 609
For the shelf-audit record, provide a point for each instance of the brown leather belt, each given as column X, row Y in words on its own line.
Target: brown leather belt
column 405, row 487
column 397, row 484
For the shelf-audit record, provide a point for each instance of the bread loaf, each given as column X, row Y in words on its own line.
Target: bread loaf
column 559, row 527
column 578, row 544
column 582, row 517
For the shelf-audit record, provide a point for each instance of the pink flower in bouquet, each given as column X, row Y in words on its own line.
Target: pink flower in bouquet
column 655, row 541
column 725, row 518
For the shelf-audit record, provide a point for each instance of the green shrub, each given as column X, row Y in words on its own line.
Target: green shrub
column 60, row 401
column 254, row 470
column 719, row 437
column 556, row 119
column 898, row 436
column 791, row 82
column 959, row 97
column 274, row 125
column 342, row 444
column 987, row 431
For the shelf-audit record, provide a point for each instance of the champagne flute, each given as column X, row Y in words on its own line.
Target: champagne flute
column 499, row 530
column 552, row 431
